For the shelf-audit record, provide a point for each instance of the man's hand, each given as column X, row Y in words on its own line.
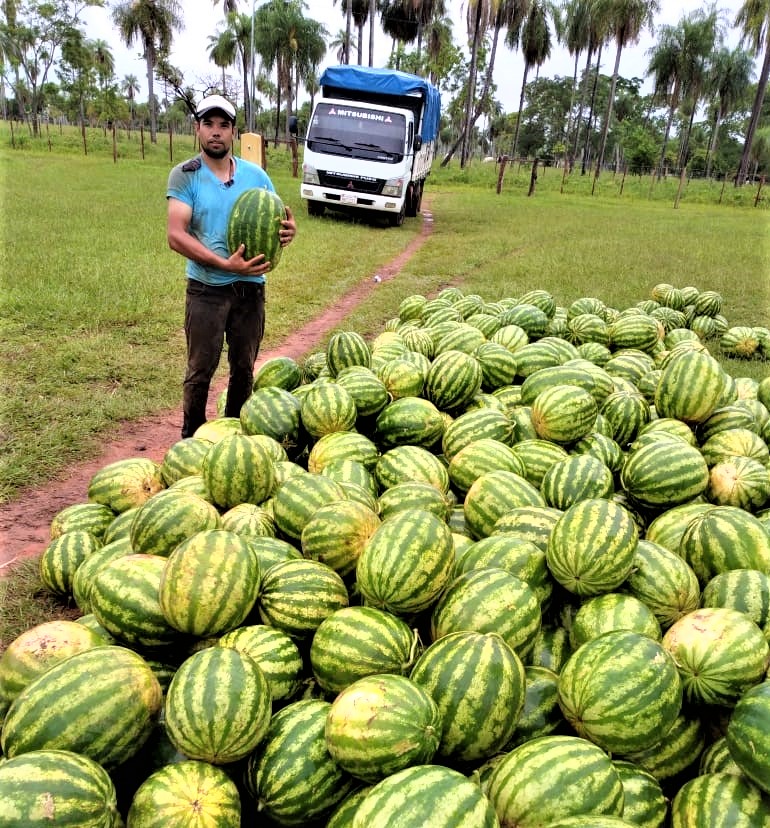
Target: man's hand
column 247, row 267
column 288, row 228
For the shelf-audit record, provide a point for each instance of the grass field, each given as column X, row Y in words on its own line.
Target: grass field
column 91, row 299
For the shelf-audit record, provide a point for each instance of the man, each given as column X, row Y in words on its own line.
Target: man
column 225, row 292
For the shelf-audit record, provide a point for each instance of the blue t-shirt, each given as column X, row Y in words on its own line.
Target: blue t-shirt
column 211, row 200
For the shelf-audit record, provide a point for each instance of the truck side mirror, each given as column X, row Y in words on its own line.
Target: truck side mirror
column 417, row 143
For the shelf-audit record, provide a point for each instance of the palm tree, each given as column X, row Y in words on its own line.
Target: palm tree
column 754, row 20
column 576, row 36
column 340, row 45
column 626, row 20
column 701, row 31
column 152, row 23
column 104, row 62
column 231, row 43
column 535, row 42
column 130, row 88
column 729, row 77
column 222, row 52
column 228, row 6
column 665, row 67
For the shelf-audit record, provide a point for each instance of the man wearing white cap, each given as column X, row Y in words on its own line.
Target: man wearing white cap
column 225, row 293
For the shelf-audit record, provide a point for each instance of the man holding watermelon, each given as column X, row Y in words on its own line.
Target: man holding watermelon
column 225, row 297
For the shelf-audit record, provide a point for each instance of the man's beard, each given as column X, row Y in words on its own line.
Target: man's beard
column 218, row 153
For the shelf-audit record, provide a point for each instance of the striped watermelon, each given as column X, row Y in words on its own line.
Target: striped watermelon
column 337, row 532
column 218, row 706
column 44, row 786
column 719, row 799
column 644, row 803
column 474, row 425
column 621, row 690
column 37, row 649
column 492, row 495
column 563, row 413
column 538, row 456
column 483, row 455
column 404, row 463
column 342, row 445
column 664, row 582
column 299, row 497
column 677, row 750
column 425, row 795
column 747, row 735
column 183, row 458
column 183, row 794
column 664, row 473
column 209, row 583
column 592, row 547
column 291, row 775
column 578, row 477
column 381, row 724
column 347, row 348
column 516, row 555
column 406, row 563
column 249, row 521
column 124, row 599
column 280, row 372
column 746, row 590
column 274, row 412
column 297, row 595
column 167, row 519
column 498, row 365
column 612, row 611
column 401, row 378
column 255, row 221
column 739, row 481
column 62, row 557
column 626, row 412
column 367, row 390
column 551, row 648
column 720, row 653
column 724, row 538
column 489, row 600
column 453, row 379
column 276, row 654
column 414, row 495
column 88, row 517
column 354, row 642
column 552, row 777
column 478, row 683
column 408, row 421
column 690, row 387
column 237, row 470
column 529, row 523
column 125, row 483
column 101, row 703
column 716, row 758
column 327, row 407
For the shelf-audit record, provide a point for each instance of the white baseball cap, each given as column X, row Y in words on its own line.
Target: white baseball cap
column 213, row 102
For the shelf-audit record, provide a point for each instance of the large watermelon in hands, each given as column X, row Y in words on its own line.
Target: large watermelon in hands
column 254, row 222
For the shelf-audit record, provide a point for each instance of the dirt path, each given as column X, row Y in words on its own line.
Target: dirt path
column 25, row 521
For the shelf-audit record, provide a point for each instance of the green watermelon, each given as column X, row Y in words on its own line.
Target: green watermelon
column 719, row 799
column 255, row 221
column 747, row 735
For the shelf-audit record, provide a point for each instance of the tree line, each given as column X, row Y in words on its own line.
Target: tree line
column 706, row 110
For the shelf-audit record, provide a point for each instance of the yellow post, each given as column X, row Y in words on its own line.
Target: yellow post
column 253, row 148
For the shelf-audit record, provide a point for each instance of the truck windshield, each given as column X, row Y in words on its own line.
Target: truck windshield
column 357, row 132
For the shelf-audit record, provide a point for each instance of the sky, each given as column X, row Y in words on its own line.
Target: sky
column 203, row 18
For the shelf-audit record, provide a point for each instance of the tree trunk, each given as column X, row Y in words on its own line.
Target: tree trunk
column 670, row 120
column 713, row 142
column 371, row 32
column 756, row 111
column 591, row 111
column 150, row 60
column 572, row 99
column 608, row 113
column 348, row 26
column 521, row 109
column 579, row 117
column 467, row 127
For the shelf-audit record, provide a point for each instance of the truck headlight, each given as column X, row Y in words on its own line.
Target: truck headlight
column 310, row 175
column 393, row 187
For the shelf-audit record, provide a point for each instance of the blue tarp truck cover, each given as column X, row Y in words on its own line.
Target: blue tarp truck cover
column 386, row 83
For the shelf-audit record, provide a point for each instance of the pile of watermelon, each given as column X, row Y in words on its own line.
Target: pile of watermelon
column 507, row 563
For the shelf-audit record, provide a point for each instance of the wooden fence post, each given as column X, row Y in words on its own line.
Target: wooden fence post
column 679, row 189
column 759, row 190
column 501, row 173
column 533, row 178
column 141, row 139
column 114, row 144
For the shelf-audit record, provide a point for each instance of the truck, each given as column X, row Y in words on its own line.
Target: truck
column 370, row 142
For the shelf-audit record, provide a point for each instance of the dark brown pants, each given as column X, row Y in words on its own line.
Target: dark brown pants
column 233, row 313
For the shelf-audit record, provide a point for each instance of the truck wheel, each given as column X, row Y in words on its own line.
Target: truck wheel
column 397, row 219
column 411, row 199
column 315, row 208
column 418, row 197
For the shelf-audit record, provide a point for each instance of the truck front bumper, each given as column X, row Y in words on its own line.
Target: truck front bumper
column 347, row 199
